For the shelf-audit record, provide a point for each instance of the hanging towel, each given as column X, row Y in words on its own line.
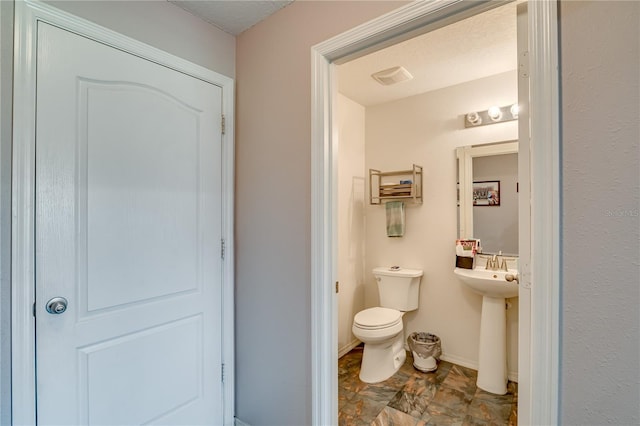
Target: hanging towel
column 395, row 218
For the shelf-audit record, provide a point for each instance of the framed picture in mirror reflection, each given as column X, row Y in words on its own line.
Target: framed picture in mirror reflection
column 486, row 193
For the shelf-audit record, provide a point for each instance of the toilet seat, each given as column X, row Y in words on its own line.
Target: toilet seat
column 377, row 318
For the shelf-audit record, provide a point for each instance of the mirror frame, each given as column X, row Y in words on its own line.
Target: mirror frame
column 465, row 156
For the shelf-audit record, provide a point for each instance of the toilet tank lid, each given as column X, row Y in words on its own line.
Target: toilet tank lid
column 396, row 271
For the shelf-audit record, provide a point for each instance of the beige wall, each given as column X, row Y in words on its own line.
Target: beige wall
column 273, row 206
column 601, row 202
column 351, row 219
column 426, row 129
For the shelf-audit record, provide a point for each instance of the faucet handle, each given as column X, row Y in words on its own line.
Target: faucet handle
column 503, row 265
column 490, row 264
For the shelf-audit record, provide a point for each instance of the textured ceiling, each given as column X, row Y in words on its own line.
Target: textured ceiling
column 232, row 16
column 473, row 48
column 477, row 47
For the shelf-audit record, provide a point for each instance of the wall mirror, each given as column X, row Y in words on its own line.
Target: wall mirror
column 488, row 195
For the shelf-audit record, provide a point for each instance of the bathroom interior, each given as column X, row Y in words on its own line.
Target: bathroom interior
column 459, row 69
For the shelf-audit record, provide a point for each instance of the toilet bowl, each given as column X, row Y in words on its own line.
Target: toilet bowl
column 381, row 328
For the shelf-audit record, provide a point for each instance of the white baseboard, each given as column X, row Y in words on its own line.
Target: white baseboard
column 347, row 348
column 239, row 422
column 511, row 375
column 459, row 361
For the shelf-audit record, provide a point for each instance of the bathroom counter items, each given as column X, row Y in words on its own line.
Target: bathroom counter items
column 466, row 251
column 396, row 185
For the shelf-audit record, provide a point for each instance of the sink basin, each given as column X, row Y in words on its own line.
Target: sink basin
column 489, row 283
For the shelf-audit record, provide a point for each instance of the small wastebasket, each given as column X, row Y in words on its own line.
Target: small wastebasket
column 426, row 349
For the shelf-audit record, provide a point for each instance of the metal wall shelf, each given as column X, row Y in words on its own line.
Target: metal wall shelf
column 387, row 186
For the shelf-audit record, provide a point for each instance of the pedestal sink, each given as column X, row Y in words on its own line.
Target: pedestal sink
column 494, row 289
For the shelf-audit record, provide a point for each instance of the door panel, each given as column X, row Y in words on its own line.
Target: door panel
column 176, row 378
column 128, row 227
column 143, row 206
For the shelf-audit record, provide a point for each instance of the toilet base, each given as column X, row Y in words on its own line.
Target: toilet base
column 382, row 360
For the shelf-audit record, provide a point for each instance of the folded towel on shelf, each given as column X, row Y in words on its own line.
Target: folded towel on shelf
column 395, row 218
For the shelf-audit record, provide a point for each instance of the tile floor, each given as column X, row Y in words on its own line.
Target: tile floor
column 448, row 396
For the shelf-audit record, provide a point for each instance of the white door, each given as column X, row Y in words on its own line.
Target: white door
column 128, row 228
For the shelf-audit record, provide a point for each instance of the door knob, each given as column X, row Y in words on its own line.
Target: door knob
column 57, row 305
column 512, row 277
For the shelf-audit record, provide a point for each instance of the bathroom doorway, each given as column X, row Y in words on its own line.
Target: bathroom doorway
column 416, row 115
column 324, row 225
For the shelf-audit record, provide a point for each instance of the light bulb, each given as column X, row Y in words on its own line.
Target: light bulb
column 494, row 113
column 474, row 118
column 515, row 109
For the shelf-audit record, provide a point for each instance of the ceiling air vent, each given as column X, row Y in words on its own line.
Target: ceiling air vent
column 392, row 76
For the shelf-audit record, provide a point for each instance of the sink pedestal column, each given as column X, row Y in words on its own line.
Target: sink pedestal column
column 492, row 360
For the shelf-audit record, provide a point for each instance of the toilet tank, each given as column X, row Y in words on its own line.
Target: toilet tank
column 398, row 288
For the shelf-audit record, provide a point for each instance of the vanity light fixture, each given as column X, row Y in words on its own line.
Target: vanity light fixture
column 494, row 114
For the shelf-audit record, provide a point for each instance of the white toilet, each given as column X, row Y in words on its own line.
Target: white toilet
column 380, row 329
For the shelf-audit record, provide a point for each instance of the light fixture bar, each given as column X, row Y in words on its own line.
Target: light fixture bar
column 492, row 115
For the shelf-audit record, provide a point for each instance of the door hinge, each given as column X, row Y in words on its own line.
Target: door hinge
column 523, row 64
column 34, row 310
column 222, row 372
column 337, row 286
column 222, row 248
column 525, row 275
column 224, row 124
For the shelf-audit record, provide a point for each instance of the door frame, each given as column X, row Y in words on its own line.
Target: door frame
column 401, row 24
column 27, row 15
